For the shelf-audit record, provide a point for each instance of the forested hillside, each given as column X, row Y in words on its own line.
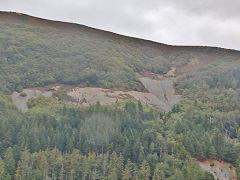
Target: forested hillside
column 127, row 140
column 36, row 52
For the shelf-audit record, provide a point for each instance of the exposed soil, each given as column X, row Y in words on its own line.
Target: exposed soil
column 163, row 90
column 170, row 75
column 160, row 93
column 220, row 169
column 21, row 102
column 196, row 63
column 87, row 96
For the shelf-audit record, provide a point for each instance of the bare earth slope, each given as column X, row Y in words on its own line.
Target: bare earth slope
column 163, row 90
column 21, row 102
column 160, row 96
column 220, row 170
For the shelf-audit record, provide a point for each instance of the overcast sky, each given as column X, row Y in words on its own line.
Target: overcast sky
column 177, row 22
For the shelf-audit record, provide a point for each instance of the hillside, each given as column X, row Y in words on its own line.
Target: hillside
column 56, row 52
column 99, row 105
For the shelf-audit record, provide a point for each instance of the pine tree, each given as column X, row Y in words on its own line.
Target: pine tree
column 26, row 167
column 140, row 107
column 113, row 174
column 2, row 169
column 9, row 161
column 212, row 152
column 18, row 175
column 116, row 164
column 144, row 172
column 218, row 142
column 126, row 175
column 238, row 133
column 238, row 166
column 120, row 164
column 43, row 165
column 61, row 177
column 158, row 173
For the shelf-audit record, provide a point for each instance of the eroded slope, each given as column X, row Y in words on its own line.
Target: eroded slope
column 220, row 170
column 161, row 94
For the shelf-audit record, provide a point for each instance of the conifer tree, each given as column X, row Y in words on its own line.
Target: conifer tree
column 18, row 175
column 2, row 168
column 9, row 161
column 144, row 172
column 126, row 175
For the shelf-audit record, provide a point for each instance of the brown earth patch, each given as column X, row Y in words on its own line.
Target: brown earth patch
column 161, row 94
column 203, row 61
column 221, row 170
column 157, row 93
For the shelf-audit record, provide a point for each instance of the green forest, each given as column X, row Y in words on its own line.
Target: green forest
column 127, row 140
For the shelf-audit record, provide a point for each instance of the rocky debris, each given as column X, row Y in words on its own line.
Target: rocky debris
column 89, row 95
column 220, row 170
column 163, row 90
column 171, row 73
column 161, row 94
column 21, row 101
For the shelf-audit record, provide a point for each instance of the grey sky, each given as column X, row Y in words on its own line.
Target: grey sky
column 178, row 22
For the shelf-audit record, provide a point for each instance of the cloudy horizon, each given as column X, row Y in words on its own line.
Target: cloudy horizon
column 185, row 22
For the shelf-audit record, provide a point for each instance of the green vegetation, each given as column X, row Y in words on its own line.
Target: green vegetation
column 46, row 52
column 63, row 141
column 36, row 56
column 23, row 94
column 127, row 140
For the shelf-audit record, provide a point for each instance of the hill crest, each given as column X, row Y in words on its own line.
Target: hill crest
column 19, row 18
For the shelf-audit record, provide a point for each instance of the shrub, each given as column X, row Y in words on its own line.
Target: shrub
column 51, row 89
column 23, row 94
